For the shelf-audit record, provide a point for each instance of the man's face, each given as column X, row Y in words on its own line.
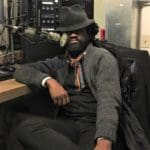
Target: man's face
column 77, row 42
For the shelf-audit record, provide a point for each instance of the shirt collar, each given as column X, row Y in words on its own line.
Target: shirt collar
column 76, row 61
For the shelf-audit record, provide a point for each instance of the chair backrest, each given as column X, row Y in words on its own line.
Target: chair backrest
column 134, row 78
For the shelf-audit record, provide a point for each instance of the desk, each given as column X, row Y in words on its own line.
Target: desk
column 10, row 89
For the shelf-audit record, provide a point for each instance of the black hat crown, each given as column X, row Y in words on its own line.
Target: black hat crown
column 73, row 18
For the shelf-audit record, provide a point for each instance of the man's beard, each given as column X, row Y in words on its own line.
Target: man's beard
column 75, row 49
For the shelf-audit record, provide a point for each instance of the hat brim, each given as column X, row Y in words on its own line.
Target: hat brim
column 75, row 27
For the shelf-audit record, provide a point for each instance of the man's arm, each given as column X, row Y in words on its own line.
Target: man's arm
column 58, row 94
column 29, row 75
column 108, row 98
column 41, row 74
column 34, row 73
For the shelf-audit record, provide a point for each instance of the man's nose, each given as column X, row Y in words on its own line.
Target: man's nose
column 72, row 34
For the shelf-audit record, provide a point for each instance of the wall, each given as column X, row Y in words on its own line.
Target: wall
column 99, row 12
column 120, row 19
column 145, row 29
column 122, row 22
column 135, row 27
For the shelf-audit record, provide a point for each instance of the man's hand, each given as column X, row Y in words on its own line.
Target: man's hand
column 58, row 94
column 103, row 144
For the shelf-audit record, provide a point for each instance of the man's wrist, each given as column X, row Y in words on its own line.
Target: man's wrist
column 44, row 81
column 104, row 144
column 100, row 138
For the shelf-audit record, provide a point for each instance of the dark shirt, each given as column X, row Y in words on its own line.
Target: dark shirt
column 82, row 103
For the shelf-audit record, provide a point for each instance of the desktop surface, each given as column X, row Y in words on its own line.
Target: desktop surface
column 10, row 89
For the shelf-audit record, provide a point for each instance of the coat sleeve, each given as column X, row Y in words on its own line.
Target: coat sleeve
column 108, row 95
column 32, row 74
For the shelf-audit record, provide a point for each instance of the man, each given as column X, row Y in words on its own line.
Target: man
column 83, row 83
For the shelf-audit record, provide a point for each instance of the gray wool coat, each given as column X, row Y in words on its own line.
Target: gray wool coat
column 102, row 74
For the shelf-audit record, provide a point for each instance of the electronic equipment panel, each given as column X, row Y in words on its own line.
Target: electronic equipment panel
column 40, row 14
column 44, row 14
column 48, row 14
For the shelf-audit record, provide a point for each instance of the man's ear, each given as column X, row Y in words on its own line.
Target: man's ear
column 93, row 29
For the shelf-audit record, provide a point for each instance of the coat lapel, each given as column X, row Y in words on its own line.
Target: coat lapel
column 87, row 62
column 63, row 72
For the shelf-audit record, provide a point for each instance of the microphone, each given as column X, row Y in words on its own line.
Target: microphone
column 53, row 36
column 15, row 28
column 30, row 32
column 62, row 39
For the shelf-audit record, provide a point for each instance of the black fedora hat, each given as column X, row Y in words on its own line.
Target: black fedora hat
column 73, row 18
